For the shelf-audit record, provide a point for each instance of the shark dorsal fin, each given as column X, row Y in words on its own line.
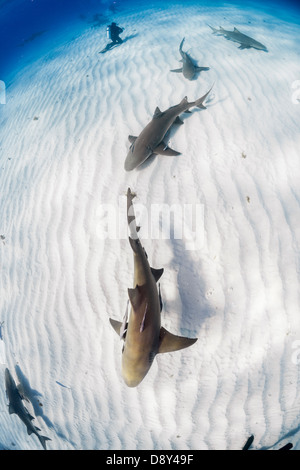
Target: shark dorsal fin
column 170, row 342
column 157, row 113
column 184, row 100
column 132, row 138
column 236, row 30
column 157, row 273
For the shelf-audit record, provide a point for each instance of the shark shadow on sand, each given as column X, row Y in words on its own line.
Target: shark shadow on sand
column 16, row 406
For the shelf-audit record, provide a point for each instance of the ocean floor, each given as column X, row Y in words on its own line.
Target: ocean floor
column 63, row 142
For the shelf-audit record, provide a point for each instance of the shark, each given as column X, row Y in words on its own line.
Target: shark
column 188, row 69
column 245, row 41
column 141, row 329
column 16, row 406
column 151, row 139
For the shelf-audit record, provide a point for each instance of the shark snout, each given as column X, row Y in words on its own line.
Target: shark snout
column 132, row 382
column 129, row 164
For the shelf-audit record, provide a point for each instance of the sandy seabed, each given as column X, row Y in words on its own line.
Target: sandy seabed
column 64, row 138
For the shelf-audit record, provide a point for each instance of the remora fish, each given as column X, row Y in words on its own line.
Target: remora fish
column 188, row 69
column 245, row 41
column 144, row 337
column 16, row 406
column 150, row 141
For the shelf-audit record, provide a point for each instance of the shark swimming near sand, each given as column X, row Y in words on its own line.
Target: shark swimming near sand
column 246, row 42
column 16, row 406
column 143, row 335
column 151, row 139
column 188, row 69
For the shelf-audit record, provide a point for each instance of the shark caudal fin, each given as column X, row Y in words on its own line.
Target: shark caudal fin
column 170, row 342
column 215, row 31
column 199, row 102
column 43, row 440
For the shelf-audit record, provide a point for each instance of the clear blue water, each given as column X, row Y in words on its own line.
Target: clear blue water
column 26, row 26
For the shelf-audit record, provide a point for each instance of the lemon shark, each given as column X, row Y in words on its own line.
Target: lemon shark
column 16, row 406
column 141, row 330
column 188, row 69
column 151, row 139
column 245, row 41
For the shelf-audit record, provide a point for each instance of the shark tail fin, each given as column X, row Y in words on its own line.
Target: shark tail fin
column 199, row 102
column 170, row 342
column 213, row 29
column 43, row 440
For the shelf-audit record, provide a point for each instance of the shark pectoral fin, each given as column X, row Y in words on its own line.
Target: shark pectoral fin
column 176, row 70
column 136, row 297
column 170, row 342
column 116, row 325
column 242, row 46
column 157, row 273
column 132, row 138
column 163, row 149
column 43, row 440
column 199, row 69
